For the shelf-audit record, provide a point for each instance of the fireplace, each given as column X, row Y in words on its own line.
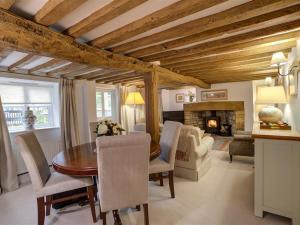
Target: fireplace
column 212, row 124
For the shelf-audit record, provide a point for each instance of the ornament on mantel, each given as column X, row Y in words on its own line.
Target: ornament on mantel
column 29, row 119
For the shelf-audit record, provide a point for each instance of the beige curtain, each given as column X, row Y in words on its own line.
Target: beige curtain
column 8, row 166
column 68, row 120
column 123, row 92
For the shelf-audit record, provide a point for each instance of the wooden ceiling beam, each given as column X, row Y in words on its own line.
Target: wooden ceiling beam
column 228, row 67
column 227, row 63
column 112, row 74
column 6, row 4
column 224, row 53
column 125, row 79
column 234, row 73
column 117, row 77
column 73, row 67
column 83, row 71
column 44, row 65
column 158, row 18
column 26, row 36
column 229, row 16
column 54, row 10
column 101, row 16
column 220, row 59
column 261, row 36
column 276, row 17
column 20, row 63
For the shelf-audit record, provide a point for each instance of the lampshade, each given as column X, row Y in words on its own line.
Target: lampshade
column 278, row 58
column 271, row 95
column 134, row 98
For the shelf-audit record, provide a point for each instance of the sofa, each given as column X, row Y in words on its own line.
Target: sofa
column 242, row 144
column 193, row 153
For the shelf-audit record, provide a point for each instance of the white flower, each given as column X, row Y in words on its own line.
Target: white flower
column 102, row 129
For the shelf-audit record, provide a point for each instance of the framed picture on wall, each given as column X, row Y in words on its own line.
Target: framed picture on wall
column 214, row 95
column 179, row 98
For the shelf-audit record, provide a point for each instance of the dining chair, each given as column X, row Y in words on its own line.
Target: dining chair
column 123, row 163
column 166, row 160
column 45, row 183
column 93, row 135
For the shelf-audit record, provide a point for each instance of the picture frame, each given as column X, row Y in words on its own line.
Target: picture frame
column 179, row 98
column 214, row 95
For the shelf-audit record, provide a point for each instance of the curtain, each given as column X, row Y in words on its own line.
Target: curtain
column 123, row 92
column 68, row 113
column 8, row 166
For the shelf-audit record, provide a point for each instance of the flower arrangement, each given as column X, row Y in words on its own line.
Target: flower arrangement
column 29, row 119
column 108, row 128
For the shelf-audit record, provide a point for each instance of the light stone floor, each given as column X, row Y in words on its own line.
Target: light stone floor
column 224, row 196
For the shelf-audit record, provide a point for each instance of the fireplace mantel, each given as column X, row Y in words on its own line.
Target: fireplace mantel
column 202, row 106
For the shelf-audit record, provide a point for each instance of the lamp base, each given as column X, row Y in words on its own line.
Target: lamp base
column 270, row 114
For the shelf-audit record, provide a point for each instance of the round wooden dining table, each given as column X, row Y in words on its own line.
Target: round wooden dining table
column 81, row 160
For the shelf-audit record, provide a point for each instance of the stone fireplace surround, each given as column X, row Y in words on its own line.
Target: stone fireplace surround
column 230, row 112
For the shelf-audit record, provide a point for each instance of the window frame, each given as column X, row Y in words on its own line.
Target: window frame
column 113, row 103
column 52, row 105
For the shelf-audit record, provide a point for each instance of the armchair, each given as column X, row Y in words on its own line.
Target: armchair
column 193, row 153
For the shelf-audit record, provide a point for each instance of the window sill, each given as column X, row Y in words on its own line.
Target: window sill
column 36, row 129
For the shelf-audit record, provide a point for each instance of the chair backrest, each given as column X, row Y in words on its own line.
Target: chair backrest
column 123, row 167
column 169, row 141
column 92, row 127
column 34, row 159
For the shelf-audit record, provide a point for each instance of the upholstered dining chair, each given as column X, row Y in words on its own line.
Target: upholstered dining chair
column 123, row 163
column 168, row 146
column 45, row 183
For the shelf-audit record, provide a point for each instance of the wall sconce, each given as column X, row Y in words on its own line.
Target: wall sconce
column 278, row 60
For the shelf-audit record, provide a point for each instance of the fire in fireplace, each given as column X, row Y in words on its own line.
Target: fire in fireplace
column 212, row 124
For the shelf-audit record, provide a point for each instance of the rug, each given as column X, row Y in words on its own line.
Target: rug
column 221, row 143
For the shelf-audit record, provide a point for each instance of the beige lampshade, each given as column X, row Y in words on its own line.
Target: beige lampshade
column 271, row 95
column 278, row 58
column 134, row 98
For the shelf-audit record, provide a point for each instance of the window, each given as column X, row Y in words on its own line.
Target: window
column 38, row 96
column 105, row 100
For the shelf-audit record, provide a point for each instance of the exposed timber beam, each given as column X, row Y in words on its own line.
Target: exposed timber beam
column 275, row 17
column 54, row 10
column 26, row 36
column 233, row 54
column 21, row 62
column 112, row 75
column 101, row 16
column 6, row 4
column 165, row 15
column 261, row 36
column 228, row 58
column 232, row 15
column 83, row 71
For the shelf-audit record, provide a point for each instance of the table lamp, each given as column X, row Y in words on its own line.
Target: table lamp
column 134, row 98
column 270, row 95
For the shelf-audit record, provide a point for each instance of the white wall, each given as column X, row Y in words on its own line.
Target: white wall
column 169, row 98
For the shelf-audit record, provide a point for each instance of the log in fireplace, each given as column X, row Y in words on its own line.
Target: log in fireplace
column 212, row 124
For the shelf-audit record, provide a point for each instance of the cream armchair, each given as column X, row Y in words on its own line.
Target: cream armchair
column 193, row 153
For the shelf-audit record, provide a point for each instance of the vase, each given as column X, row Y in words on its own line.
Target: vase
column 29, row 119
column 270, row 114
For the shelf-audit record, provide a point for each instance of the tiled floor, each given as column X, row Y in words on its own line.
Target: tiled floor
column 224, row 196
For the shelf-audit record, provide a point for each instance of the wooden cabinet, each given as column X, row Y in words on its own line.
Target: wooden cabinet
column 277, row 177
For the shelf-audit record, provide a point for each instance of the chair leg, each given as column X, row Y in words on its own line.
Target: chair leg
column 90, row 190
column 41, row 210
column 231, row 158
column 171, row 183
column 48, row 206
column 161, row 180
column 146, row 214
column 138, row 208
column 103, row 216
